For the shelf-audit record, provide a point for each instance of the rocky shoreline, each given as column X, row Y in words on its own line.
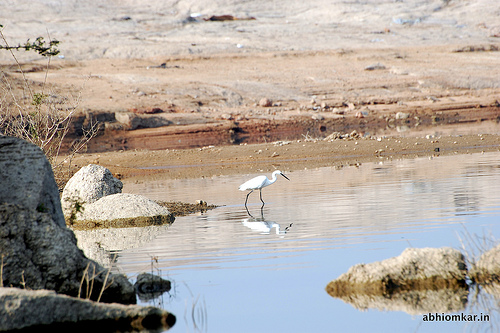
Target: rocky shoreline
column 39, row 253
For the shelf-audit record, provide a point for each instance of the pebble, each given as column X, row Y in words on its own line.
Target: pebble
column 282, row 143
column 402, row 115
column 374, row 67
column 226, row 116
column 265, row 102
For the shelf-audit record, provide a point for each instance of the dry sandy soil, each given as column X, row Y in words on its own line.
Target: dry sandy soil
column 166, row 83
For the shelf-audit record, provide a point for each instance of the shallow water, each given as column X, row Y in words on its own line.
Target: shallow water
column 235, row 273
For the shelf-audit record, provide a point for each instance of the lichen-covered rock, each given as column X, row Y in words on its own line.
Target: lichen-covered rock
column 88, row 185
column 414, row 268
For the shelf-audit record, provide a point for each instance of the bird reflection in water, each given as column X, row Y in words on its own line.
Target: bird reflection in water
column 259, row 224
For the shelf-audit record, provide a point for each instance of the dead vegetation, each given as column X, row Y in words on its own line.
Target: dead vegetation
column 34, row 111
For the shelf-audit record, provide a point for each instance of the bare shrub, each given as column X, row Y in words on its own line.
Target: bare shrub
column 35, row 113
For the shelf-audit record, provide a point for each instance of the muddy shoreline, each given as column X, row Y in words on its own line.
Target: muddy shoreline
column 210, row 161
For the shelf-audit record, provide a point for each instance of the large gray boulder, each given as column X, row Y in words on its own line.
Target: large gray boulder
column 23, row 309
column 38, row 254
column 88, row 185
column 121, row 205
column 27, row 179
column 38, row 250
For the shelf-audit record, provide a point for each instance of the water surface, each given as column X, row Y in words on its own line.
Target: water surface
column 267, row 272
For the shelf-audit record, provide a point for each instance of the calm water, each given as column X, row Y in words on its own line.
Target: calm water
column 235, row 273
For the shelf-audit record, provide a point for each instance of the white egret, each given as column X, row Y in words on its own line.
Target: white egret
column 258, row 183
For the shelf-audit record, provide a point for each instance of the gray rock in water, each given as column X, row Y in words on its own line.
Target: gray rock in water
column 413, row 264
column 149, row 286
column 422, row 268
column 121, row 205
column 487, row 268
column 38, row 254
column 38, row 250
column 88, row 185
column 27, row 179
column 25, row 309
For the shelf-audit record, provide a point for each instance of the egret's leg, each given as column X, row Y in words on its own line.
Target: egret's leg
column 247, row 198
column 248, row 212
column 263, row 203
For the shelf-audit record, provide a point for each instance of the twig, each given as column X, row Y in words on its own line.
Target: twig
column 1, row 272
column 104, row 286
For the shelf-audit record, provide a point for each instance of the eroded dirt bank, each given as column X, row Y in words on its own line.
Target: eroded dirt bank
column 178, row 102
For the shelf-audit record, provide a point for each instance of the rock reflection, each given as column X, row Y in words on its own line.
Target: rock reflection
column 414, row 302
column 99, row 244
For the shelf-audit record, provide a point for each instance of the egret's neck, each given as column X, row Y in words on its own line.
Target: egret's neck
column 274, row 178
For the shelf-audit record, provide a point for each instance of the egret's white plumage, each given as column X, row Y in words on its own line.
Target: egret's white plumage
column 258, row 183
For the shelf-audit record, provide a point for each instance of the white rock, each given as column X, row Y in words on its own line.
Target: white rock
column 265, row 102
column 121, row 205
column 88, row 185
column 402, row 115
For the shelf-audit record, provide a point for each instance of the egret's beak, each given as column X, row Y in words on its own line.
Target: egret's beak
column 284, row 176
